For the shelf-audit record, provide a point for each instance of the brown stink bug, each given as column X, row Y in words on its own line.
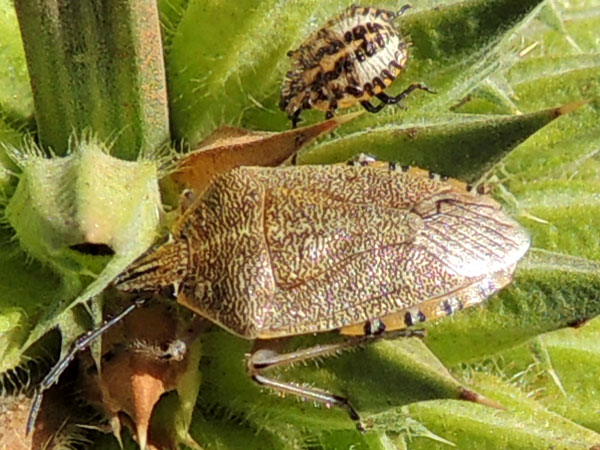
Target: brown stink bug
column 352, row 58
column 366, row 248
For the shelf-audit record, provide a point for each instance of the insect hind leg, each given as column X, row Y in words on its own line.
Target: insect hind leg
column 387, row 100
column 312, row 394
column 81, row 343
column 370, row 108
column 262, row 360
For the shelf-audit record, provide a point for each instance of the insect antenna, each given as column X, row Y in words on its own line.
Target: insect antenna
column 81, row 343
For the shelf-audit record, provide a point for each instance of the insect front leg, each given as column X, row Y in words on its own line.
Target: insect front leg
column 264, row 359
column 81, row 343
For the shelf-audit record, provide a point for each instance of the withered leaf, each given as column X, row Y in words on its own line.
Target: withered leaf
column 143, row 358
column 230, row 147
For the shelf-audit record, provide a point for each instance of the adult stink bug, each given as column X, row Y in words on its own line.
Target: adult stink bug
column 351, row 59
column 365, row 248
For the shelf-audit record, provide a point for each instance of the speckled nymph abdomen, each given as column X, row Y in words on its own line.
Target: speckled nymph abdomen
column 351, row 59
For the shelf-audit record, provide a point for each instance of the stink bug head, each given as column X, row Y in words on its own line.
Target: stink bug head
column 160, row 271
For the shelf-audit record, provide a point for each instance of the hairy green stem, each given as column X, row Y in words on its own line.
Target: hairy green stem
column 96, row 66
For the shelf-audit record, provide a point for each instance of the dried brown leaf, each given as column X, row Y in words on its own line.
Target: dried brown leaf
column 143, row 358
column 230, row 147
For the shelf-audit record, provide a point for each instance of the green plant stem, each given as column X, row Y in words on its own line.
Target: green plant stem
column 96, row 66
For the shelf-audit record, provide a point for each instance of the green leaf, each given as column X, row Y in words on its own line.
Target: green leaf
column 477, row 144
column 524, row 425
column 26, row 288
column 87, row 198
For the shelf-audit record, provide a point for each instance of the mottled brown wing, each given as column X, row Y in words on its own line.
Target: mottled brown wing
column 350, row 244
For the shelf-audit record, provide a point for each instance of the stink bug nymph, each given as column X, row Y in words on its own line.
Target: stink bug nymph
column 368, row 248
column 353, row 58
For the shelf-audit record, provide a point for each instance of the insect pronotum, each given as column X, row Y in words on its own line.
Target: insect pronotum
column 368, row 249
column 351, row 59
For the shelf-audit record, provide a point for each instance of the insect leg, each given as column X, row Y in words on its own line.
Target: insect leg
column 331, row 111
column 80, row 343
column 295, row 118
column 372, row 109
column 262, row 360
column 312, row 394
column 386, row 99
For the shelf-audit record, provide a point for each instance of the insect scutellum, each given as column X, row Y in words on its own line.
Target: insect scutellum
column 351, row 59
